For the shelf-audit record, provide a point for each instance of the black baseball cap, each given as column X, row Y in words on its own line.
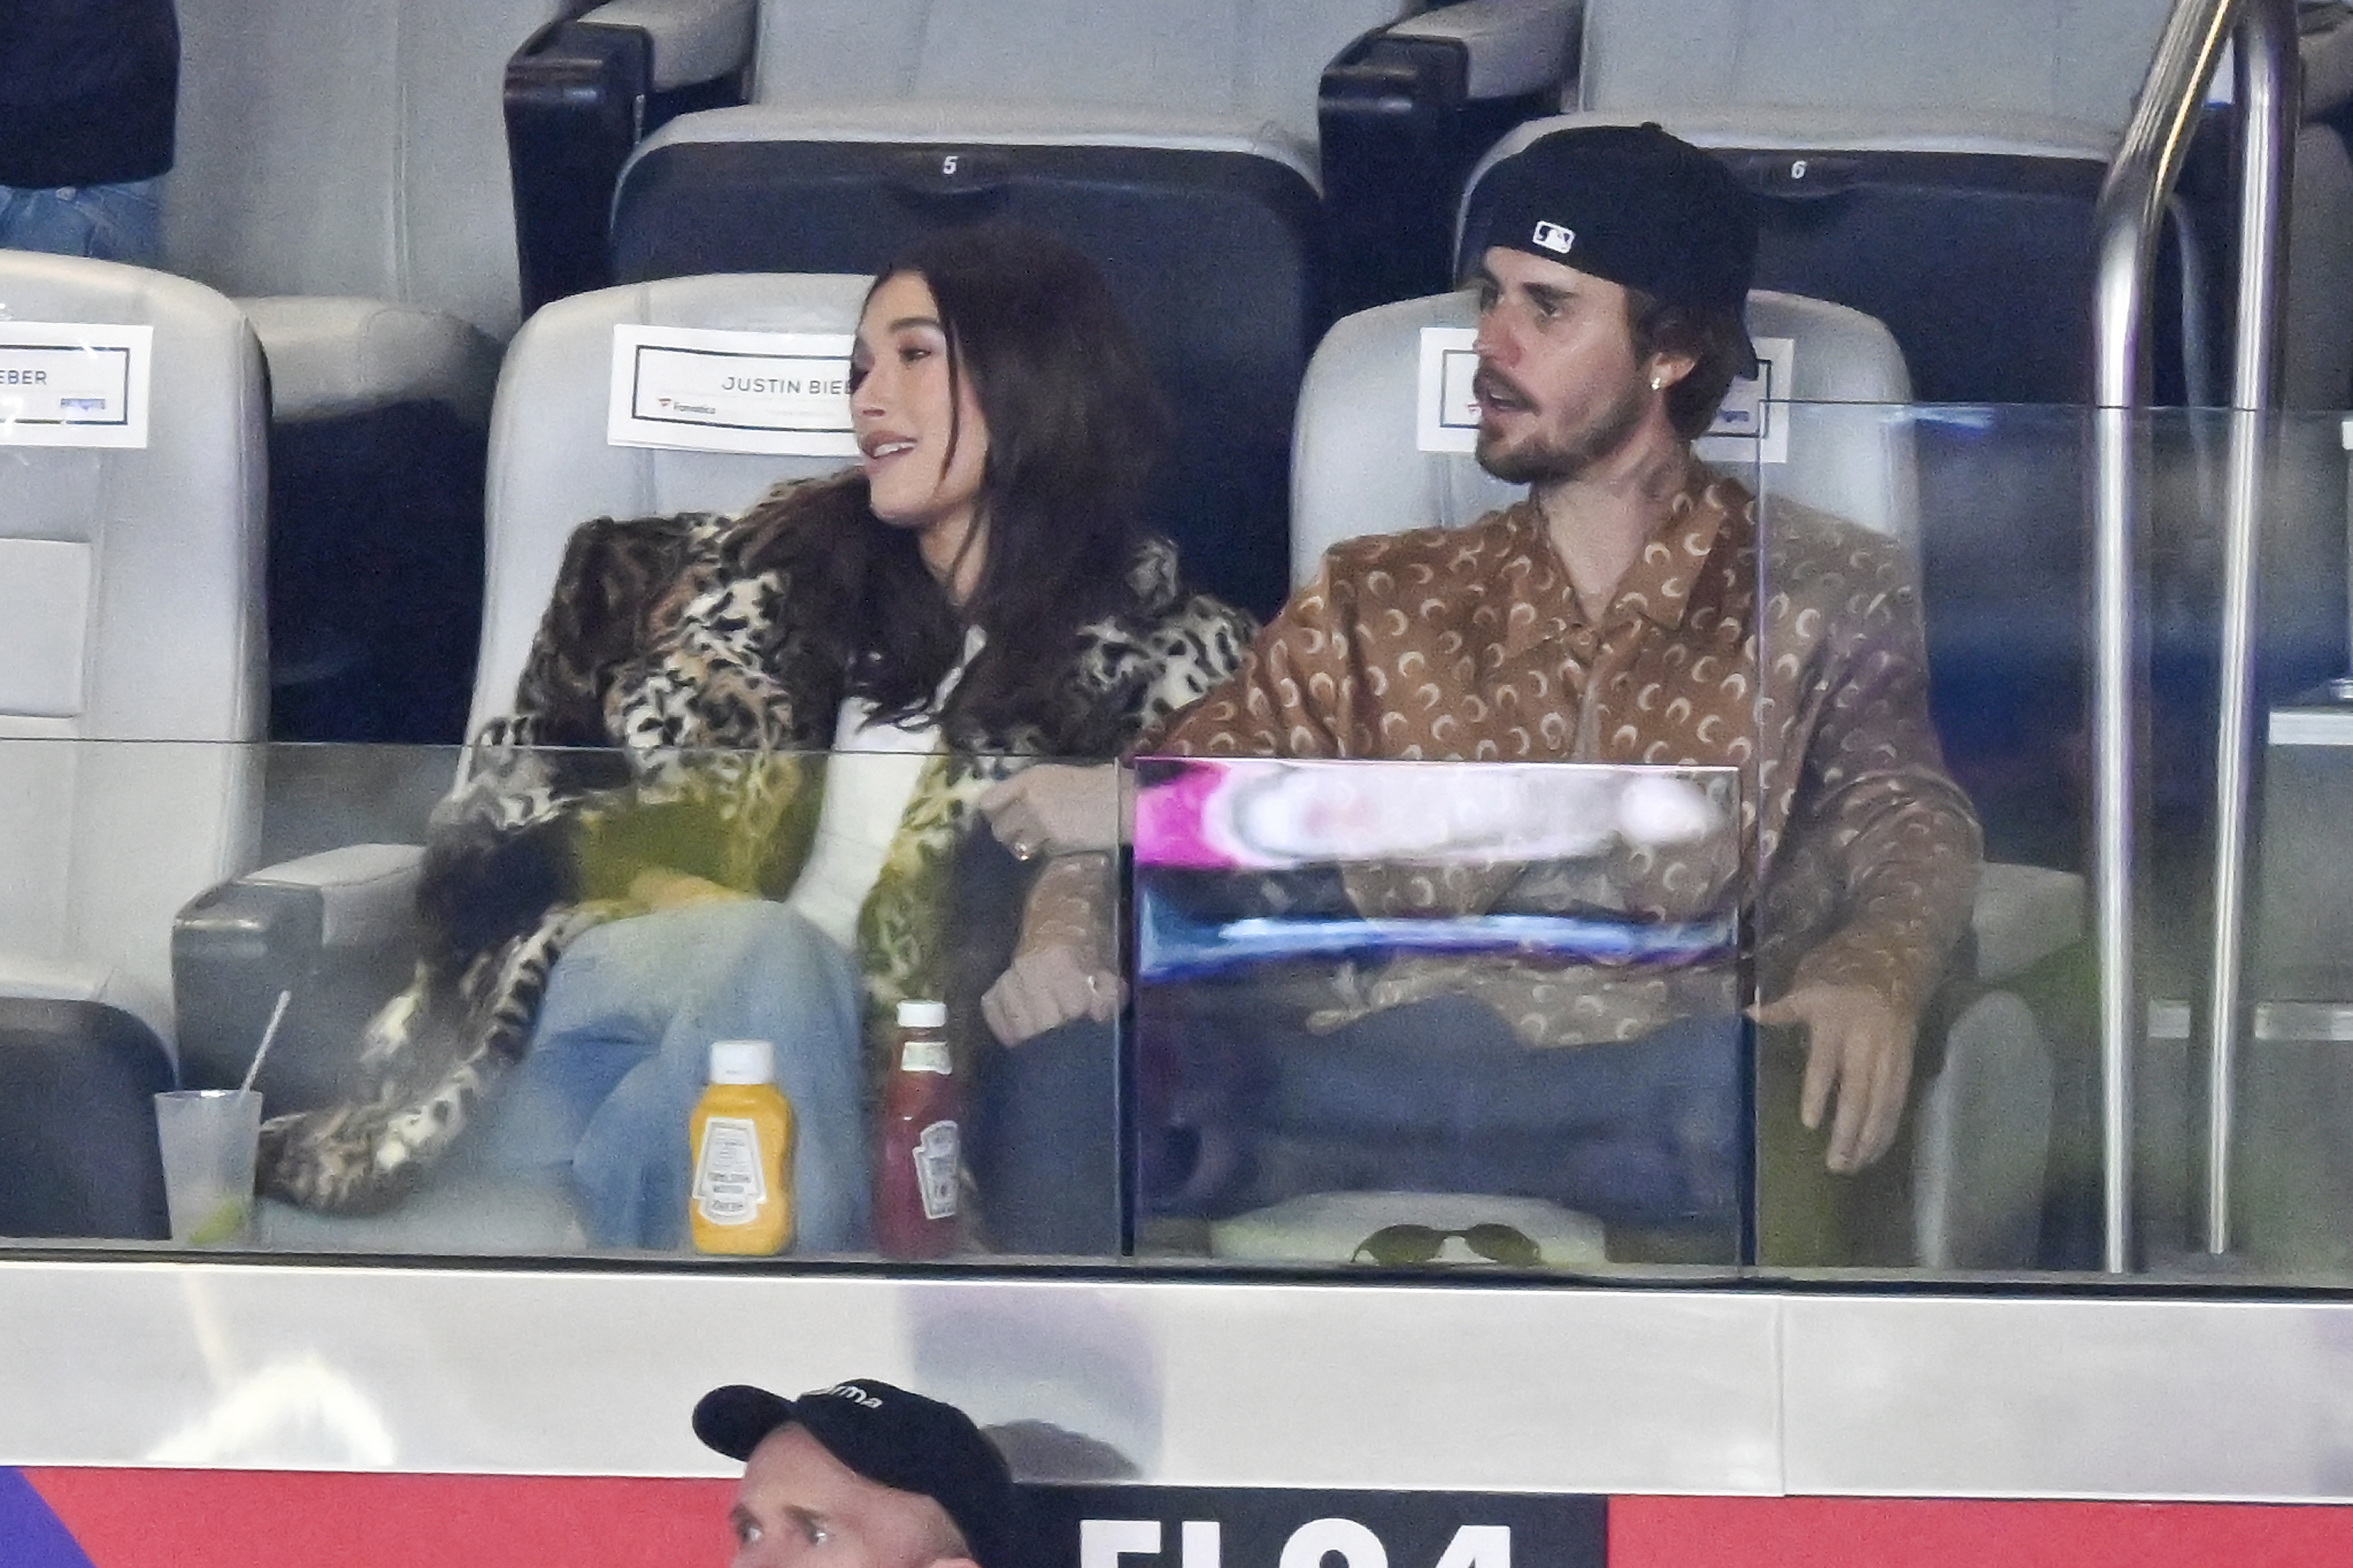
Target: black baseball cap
column 1629, row 203
column 899, row 1439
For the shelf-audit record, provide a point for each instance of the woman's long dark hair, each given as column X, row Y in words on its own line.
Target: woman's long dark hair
column 1074, row 427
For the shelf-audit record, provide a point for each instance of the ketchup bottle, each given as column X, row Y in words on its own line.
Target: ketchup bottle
column 919, row 1164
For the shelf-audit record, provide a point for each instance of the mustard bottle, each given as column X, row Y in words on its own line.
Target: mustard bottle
column 741, row 1135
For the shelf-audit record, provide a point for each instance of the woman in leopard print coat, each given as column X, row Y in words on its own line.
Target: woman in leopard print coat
column 979, row 582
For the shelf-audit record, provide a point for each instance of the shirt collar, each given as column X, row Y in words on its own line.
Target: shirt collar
column 1657, row 586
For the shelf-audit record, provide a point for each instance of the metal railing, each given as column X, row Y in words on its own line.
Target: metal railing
column 2131, row 208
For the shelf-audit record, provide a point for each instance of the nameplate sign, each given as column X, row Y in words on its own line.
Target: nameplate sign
column 1446, row 417
column 695, row 389
column 74, row 384
column 1752, row 427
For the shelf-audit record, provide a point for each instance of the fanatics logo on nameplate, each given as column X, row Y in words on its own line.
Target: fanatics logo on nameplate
column 74, row 384
column 773, row 393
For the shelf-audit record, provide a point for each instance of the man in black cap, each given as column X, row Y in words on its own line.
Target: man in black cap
column 861, row 1475
column 1615, row 616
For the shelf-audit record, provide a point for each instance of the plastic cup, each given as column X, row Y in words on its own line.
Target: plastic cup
column 208, row 1138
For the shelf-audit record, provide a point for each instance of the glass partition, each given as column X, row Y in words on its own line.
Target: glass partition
column 477, row 994
column 2001, row 1157
column 1493, row 933
column 1405, row 1014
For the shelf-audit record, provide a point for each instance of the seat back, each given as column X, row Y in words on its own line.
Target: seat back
column 1252, row 61
column 552, row 467
column 130, row 611
column 350, row 149
column 1997, row 59
column 1935, row 166
column 1357, row 466
column 1174, row 145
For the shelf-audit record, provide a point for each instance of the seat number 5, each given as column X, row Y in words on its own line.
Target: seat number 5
column 948, row 164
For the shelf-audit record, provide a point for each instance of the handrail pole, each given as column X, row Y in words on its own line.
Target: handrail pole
column 2146, row 164
column 2267, row 102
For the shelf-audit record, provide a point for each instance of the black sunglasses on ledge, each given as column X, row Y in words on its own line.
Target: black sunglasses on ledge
column 1398, row 1246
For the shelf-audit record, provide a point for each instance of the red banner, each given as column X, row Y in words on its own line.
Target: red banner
column 220, row 1518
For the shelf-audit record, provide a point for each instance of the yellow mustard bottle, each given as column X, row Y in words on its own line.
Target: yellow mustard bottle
column 741, row 1135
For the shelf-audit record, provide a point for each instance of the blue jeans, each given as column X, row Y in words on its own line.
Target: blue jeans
column 622, row 1046
column 1440, row 1095
column 109, row 223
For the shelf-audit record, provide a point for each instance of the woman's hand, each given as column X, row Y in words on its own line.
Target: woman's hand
column 1048, row 986
column 1055, row 807
column 658, row 888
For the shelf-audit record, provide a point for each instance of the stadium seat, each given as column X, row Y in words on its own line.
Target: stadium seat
column 550, row 469
column 341, row 171
column 1360, row 468
column 1178, row 147
column 1933, row 165
column 132, row 681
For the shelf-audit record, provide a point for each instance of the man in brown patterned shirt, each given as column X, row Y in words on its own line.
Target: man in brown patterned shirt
column 1632, row 610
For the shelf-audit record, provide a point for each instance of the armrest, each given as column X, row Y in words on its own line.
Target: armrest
column 1407, row 110
column 2024, row 915
column 1512, row 48
column 692, row 40
column 334, row 929
column 579, row 95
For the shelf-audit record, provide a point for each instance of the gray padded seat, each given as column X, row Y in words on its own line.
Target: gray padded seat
column 1227, row 76
column 551, row 470
column 342, row 171
column 1175, row 145
column 1932, row 164
column 353, row 156
column 139, row 572
column 2078, row 60
column 1993, row 78
column 1358, row 469
column 130, row 611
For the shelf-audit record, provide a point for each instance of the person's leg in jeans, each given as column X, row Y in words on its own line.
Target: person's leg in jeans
column 1046, row 1146
column 1442, row 1095
column 111, row 223
column 621, row 1049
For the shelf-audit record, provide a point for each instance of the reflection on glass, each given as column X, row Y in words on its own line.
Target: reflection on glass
column 1385, row 1002
column 2001, row 1114
column 503, row 996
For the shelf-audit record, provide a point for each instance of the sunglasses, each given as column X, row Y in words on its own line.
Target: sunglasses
column 1397, row 1246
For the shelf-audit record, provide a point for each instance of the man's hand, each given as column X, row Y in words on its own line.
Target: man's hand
column 1055, row 809
column 1861, row 1047
column 1048, row 985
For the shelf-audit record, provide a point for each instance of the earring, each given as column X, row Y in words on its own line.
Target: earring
column 1657, row 383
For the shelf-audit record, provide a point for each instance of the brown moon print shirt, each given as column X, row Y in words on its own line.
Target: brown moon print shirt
column 1794, row 653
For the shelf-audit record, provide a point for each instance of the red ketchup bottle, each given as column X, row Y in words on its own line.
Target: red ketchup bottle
column 919, row 1162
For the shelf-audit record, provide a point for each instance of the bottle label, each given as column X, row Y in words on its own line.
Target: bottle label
column 730, row 1181
column 936, row 1168
column 924, row 1053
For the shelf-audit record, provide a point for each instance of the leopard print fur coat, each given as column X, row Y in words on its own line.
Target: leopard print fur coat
column 669, row 714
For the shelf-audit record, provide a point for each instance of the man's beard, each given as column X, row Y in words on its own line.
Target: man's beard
column 1542, row 462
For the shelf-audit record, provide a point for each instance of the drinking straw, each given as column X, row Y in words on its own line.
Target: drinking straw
column 277, row 1016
